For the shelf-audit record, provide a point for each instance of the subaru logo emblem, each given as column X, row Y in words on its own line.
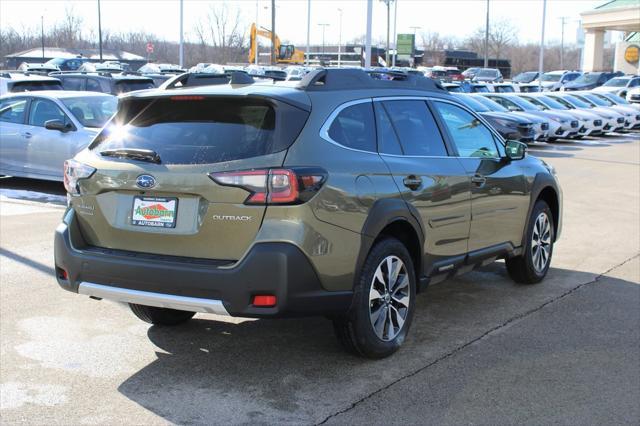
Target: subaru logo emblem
column 146, row 181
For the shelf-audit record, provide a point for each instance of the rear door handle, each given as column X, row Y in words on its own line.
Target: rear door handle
column 27, row 135
column 479, row 180
column 412, row 182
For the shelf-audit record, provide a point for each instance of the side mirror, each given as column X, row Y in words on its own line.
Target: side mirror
column 515, row 150
column 57, row 125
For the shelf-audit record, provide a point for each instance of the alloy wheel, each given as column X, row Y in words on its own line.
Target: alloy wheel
column 541, row 242
column 389, row 296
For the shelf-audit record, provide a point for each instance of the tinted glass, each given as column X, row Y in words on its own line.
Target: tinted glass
column 505, row 103
column 635, row 82
column 93, row 111
column 43, row 110
column 32, row 86
column 72, row 83
column 205, row 131
column 387, row 139
column 13, row 110
column 493, row 106
column 470, row 136
column 131, row 85
column 93, row 85
column 416, row 128
column 354, row 127
column 471, row 103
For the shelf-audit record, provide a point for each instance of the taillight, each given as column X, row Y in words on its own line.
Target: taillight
column 74, row 171
column 275, row 186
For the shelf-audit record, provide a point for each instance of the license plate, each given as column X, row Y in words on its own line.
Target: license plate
column 155, row 212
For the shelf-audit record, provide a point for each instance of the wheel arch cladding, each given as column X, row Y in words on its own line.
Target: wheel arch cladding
column 549, row 195
column 392, row 218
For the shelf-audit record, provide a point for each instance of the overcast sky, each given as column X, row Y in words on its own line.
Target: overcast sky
column 448, row 17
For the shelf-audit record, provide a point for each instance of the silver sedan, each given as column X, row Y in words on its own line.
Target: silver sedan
column 40, row 130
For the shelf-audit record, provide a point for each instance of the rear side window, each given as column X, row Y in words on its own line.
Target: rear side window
column 31, row 86
column 125, row 86
column 416, row 128
column 387, row 140
column 93, row 85
column 13, row 110
column 354, row 127
column 203, row 130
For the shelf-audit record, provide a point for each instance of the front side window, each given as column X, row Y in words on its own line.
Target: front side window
column 416, row 128
column 470, row 137
column 92, row 111
column 13, row 110
column 93, row 85
column 354, row 127
column 43, row 110
column 72, row 83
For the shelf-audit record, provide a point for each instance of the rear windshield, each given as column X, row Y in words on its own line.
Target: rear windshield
column 124, row 86
column 92, row 111
column 31, row 86
column 183, row 130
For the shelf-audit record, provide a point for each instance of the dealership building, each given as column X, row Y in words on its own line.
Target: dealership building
column 616, row 15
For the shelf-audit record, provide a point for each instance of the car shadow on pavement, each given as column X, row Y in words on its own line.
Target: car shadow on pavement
column 294, row 371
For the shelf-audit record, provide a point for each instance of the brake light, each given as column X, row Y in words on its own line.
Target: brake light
column 274, row 186
column 73, row 172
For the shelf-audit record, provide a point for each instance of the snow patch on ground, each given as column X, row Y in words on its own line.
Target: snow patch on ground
column 7, row 194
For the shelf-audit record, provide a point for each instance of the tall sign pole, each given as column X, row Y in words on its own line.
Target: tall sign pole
column 99, row 31
column 541, row 63
column 42, row 33
column 367, row 40
column 563, row 20
column 486, row 39
column 340, row 38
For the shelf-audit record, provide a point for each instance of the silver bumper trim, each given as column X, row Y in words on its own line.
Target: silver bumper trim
column 160, row 300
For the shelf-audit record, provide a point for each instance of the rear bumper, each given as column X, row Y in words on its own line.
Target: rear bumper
column 274, row 268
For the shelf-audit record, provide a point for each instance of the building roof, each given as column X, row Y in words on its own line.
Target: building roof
column 614, row 4
column 57, row 52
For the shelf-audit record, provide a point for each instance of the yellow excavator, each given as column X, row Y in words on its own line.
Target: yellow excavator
column 285, row 53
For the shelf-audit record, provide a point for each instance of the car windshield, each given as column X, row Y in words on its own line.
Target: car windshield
column 201, row 130
column 587, row 79
column 472, row 103
column 525, row 77
column 551, row 77
column 55, row 61
column 552, row 103
column 525, row 105
column 617, row 99
column 487, row 73
column 92, row 111
column 578, row 102
column 125, row 86
column 31, row 86
column 596, row 100
column 617, row 82
column 493, row 106
column 541, row 105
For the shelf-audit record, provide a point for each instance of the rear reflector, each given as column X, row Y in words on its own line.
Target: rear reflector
column 264, row 300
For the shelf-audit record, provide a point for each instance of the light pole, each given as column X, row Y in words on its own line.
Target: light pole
column 367, row 39
column 273, row 32
column 99, row 31
column 486, row 39
column 395, row 35
column 181, row 55
column 323, row 28
column 308, row 31
column 562, row 19
column 541, row 63
column 255, row 60
column 388, row 3
column 42, row 33
column 340, row 36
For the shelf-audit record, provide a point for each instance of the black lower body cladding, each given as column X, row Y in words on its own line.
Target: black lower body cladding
column 278, row 269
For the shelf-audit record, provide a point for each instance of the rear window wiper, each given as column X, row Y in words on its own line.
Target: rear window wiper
column 133, row 154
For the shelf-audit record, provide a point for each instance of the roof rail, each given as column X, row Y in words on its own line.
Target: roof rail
column 192, row 79
column 348, row 78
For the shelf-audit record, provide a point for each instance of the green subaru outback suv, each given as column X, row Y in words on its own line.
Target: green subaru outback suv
column 341, row 196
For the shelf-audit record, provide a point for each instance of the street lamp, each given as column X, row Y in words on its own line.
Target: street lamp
column 388, row 3
column 42, row 33
column 324, row 26
column 339, row 36
column 99, row 31
column 486, row 39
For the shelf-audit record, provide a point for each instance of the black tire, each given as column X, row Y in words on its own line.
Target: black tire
column 160, row 316
column 355, row 330
column 521, row 268
column 552, row 139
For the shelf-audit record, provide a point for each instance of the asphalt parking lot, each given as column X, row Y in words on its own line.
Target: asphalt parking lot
column 482, row 350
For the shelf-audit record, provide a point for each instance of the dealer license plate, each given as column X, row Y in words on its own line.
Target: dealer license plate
column 155, row 212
